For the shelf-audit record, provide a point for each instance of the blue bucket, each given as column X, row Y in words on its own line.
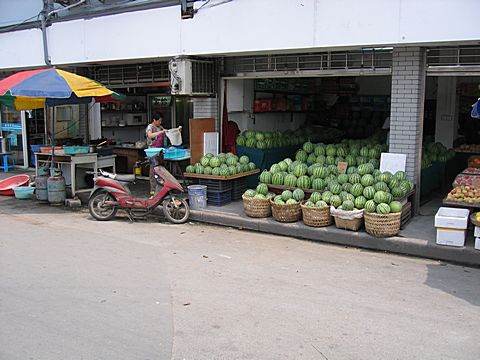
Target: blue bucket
column 197, row 196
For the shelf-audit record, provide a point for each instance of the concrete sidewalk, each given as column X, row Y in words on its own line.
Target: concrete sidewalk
column 417, row 239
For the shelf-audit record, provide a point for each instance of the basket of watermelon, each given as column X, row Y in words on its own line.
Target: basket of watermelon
column 382, row 219
column 315, row 211
column 286, row 207
column 256, row 203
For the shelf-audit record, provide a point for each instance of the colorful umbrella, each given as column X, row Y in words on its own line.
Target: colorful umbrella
column 35, row 89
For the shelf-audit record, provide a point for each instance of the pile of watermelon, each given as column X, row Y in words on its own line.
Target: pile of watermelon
column 261, row 192
column 289, row 197
column 221, row 165
column 435, row 152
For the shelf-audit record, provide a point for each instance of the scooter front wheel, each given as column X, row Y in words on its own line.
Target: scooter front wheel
column 97, row 207
column 176, row 210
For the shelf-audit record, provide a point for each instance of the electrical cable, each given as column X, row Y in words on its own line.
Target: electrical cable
column 13, row 27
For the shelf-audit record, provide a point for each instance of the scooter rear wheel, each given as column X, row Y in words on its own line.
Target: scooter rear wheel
column 176, row 210
column 97, row 208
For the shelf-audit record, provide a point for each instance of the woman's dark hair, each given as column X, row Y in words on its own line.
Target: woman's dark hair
column 157, row 116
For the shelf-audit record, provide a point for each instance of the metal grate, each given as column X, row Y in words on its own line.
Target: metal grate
column 144, row 73
column 459, row 56
column 204, row 77
column 350, row 60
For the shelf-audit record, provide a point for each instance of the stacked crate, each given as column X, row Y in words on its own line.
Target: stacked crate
column 219, row 192
column 239, row 186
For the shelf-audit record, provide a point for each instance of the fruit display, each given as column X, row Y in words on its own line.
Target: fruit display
column 471, row 148
column 465, row 194
column 435, row 152
column 288, row 197
column 259, row 193
column 221, row 165
column 277, row 139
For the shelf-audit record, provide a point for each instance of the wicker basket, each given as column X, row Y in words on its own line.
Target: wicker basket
column 348, row 224
column 286, row 213
column 382, row 225
column 315, row 216
column 257, row 208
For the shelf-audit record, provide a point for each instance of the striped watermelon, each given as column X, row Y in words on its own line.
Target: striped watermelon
column 266, row 177
column 395, row 207
column 398, row 192
column 393, row 183
column 370, row 206
column 300, row 170
column 351, row 170
column 400, row 175
column 381, row 186
column 385, row 177
column 318, row 184
column 331, row 150
column 367, row 180
column 326, row 195
column 287, row 194
column 311, row 159
column 275, row 168
column 290, row 180
column 321, row 204
column 364, row 151
column 303, row 182
column 190, row 169
column 369, row 192
column 342, row 179
column 343, row 195
column 249, row 193
column 320, row 159
column 298, row 194
column 316, row 196
column 252, row 166
column 348, row 205
column 309, row 204
column 216, row 171
column 357, row 190
column 283, row 165
column 301, row 156
column 360, row 202
column 383, row 208
column 350, row 160
column 308, row 147
column 262, row 189
column 319, row 150
column 332, row 169
column 380, row 197
column 335, row 201
column 277, row 179
column 335, row 188
column 291, row 202
column 330, row 160
column 207, row 170
column 362, row 169
column 354, row 178
column 347, row 187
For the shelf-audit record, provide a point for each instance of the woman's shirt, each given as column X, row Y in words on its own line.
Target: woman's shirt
column 153, row 129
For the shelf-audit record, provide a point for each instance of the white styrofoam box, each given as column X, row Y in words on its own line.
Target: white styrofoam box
column 451, row 237
column 452, row 218
column 477, row 243
column 477, row 231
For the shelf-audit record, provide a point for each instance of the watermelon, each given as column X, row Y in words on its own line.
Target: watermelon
column 283, row 165
column 249, row 134
column 367, row 180
column 329, row 160
column 385, row 177
column 364, row 151
column 249, row 193
column 316, row 196
column 241, row 140
column 320, row 160
column 347, row 187
column 348, row 205
column 319, row 150
column 360, row 202
column 300, row 170
column 389, row 198
column 287, row 194
column 308, row 147
column 207, row 170
column 321, row 204
column 216, row 171
column 354, row 178
column 398, row 192
column 381, row 186
column 400, row 175
column 275, row 168
column 309, row 204
column 199, row 169
column 291, row 202
column 279, row 202
column 232, row 170
column 298, row 194
column 290, row 180
column 318, row 184
column 252, row 166
column 343, row 179
column 326, row 196
column 370, row 206
column 265, row 177
column 332, row 169
column 335, row 188
column 260, row 196
column 244, row 159
column 395, row 207
column 380, row 197
column 351, row 170
column 204, row 161
column 277, row 179
column 259, row 136
column 331, row 151
column 251, row 143
column 303, row 182
column 369, row 192
column 262, row 189
column 214, row 162
column 335, row 201
column 311, row 159
column 356, row 190
column 301, row 156
column 190, row 169
column 383, row 208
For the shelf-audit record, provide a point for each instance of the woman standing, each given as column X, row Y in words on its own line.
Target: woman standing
column 155, row 134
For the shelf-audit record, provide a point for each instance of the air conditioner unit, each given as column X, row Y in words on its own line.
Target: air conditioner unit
column 181, row 76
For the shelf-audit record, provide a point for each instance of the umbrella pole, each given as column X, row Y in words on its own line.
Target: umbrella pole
column 53, row 140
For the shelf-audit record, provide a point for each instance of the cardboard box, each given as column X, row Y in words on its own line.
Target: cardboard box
column 477, row 243
column 452, row 218
column 451, row 237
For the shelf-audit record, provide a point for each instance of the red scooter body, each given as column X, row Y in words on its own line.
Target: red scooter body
column 111, row 193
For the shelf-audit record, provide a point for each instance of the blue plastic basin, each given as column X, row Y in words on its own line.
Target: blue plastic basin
column 23, row 192
column 153, row 151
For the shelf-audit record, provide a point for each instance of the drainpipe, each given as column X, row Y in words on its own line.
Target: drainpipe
column 47, row 6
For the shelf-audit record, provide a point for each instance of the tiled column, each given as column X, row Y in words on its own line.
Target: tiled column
column 407, row 104
column 206, row 108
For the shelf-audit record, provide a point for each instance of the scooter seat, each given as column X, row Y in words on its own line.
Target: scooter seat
column 126, row 177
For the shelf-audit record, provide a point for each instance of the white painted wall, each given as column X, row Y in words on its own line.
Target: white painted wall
column 246, row 26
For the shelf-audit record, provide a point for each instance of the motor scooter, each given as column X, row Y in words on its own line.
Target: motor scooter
column 111, row 193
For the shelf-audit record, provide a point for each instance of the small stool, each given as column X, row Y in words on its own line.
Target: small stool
column 6, row 165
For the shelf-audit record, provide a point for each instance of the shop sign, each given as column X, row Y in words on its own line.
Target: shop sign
column 163, row 101
column 11, row 127
column 342, row 167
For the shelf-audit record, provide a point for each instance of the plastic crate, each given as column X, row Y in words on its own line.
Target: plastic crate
column 219, row 198
column 174, row 153
column 73, row 150
column 216, row 185
column 240, row 183
column 237, row 194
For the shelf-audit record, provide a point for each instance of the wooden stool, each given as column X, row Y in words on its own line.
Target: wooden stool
column 6, row 165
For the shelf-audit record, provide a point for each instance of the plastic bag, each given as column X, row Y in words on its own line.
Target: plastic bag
column 175, row 136
column 347, row 215
column 476, row 110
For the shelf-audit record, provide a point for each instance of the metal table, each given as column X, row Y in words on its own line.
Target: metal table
column 86, row 161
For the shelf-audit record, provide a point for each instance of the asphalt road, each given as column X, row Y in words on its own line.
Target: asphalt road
column 75, row 288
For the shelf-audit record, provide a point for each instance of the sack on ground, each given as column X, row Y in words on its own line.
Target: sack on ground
column 346, row 215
